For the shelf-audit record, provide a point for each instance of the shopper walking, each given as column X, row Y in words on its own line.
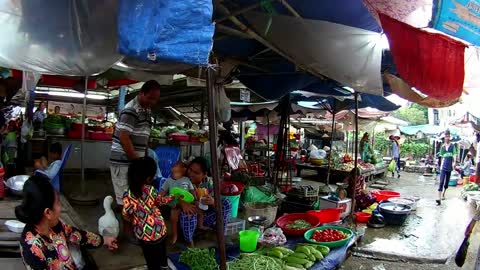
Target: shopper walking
column 448, row 152
column 395, row 153
column 130, row 139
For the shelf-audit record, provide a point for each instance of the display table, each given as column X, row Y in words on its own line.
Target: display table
column 335, row 175
column 330, row 262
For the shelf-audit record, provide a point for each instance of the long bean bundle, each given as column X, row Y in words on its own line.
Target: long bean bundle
column 256, row 262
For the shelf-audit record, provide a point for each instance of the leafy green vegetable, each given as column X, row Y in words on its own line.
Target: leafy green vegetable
column 199, row 259
column 155, row 133
column 299, row 224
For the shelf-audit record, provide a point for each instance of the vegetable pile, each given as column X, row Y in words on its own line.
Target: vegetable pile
column 199, row 259
column 299, row 224
column 471, row 187
column 255, row 262
column 304, row 256
column 328, row 235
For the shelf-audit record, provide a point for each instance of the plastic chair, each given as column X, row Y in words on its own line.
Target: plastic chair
column 56, row 180
column 168, row 156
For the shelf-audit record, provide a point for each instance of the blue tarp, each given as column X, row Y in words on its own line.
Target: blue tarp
column 167, row 30
column 458, row 18
column 330, row 262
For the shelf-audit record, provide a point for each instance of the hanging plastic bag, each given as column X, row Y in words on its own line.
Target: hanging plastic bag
column 253, row 194
column 318, row 154
column 391, row 166
column 272, row 237
column 224, row 111
column 26, row 132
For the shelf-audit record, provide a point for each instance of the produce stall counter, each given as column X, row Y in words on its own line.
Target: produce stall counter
column 97, row 152
column 337, row 175
column 330, row 262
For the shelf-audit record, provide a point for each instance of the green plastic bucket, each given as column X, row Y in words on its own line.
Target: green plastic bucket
column 234, row 202
column 248, row 240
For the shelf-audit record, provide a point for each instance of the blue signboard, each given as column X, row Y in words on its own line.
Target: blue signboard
column 459, row 18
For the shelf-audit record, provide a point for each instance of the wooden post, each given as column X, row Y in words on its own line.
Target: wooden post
column 212, row 123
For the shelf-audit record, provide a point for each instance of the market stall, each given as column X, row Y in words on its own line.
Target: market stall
column 253, row 30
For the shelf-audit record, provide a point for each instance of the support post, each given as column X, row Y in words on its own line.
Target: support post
column 356, row 157
column 82, row 144
column 83, row 197
column 212, row 122
column 331, row 143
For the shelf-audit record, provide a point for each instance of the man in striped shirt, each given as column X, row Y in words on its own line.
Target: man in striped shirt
column 130, row 139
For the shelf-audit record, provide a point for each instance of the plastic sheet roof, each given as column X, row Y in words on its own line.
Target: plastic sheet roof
column 351, row 55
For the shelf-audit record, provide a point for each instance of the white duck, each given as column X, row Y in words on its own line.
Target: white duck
column 108, row 223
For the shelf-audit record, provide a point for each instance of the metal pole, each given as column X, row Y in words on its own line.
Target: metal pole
column 83, row 197
column 331, row 143
column 212, row 122
column 346, row 150
column 356, row 156
column 268, row 144
column 82, row 150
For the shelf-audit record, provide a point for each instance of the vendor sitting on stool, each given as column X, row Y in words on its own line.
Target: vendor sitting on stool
column 54, row 157
column 363, row 197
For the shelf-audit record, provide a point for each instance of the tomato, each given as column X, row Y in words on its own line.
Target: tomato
column 328, row 235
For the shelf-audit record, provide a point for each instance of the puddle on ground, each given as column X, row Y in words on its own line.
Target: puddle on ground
column 431, row 232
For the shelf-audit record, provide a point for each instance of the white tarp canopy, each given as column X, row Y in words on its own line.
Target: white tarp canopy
column 66, row 37
column 351, row 56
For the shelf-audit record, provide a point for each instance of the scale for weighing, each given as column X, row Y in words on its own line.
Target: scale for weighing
column 257, row 223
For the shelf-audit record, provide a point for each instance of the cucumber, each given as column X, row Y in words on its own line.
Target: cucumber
column 311, row 258
column 323, row 249
column 275, row 253
column 293, row 259
column 303, row 249
column 285, row 251
column 308, row 265
column 299, row 255
column 296, row 265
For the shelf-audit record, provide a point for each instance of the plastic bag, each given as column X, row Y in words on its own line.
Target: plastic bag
column 26, row 132
column 272, row 237
column 391, row 166
column 224, row 111
column 318, row 154
column 253, row 194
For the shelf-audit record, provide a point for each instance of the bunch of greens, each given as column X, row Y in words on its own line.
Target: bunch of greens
column 199, row 259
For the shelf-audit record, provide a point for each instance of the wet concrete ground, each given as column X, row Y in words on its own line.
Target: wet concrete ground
column 428, row 240
column 430, row 237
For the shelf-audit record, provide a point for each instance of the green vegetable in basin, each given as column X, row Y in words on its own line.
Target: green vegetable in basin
column 299, row 224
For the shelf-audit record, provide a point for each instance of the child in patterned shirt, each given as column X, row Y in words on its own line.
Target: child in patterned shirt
column 141, row 207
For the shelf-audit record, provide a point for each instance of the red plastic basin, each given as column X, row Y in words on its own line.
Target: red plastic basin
column 362, row 217
column 327, row 215
column 383, row 195
column 283, row 221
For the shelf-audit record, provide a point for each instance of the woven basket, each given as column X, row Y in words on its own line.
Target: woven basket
column 262, row 209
